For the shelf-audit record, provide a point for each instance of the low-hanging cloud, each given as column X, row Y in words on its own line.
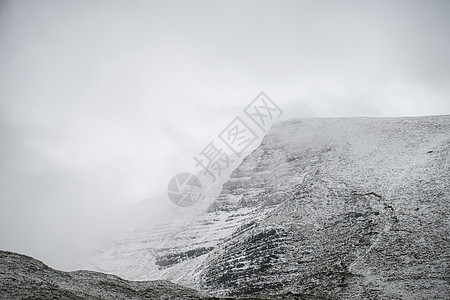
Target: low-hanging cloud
column 102, row 102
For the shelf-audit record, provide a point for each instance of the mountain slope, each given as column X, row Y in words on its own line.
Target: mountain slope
column 358, row 208
column 353, row 208
column 22, row 277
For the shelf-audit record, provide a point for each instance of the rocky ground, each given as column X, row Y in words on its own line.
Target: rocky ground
column 22, row 277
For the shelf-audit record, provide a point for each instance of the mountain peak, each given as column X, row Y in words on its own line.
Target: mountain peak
column 335, row 207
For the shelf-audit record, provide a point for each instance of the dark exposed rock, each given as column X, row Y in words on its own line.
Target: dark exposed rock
column 24, row 278
column 169, row 259
column 347, row 208
column 344, row 218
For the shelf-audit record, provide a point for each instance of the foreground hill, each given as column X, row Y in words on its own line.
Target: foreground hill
column 349, row 208
column 22, row 277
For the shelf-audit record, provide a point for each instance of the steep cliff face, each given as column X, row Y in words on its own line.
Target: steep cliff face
column 358, row 208
column 352, row 208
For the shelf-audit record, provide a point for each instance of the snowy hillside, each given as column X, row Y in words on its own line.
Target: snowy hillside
column 353, row 208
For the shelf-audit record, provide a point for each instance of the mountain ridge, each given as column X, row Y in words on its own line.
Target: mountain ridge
column 23, row 277
column 336, row 207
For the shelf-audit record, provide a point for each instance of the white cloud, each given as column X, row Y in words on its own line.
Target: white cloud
column 102, row 102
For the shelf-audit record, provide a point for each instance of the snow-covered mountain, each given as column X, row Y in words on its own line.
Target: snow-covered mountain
column 352, row 208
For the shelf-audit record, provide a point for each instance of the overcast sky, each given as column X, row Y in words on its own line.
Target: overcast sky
column 102, row 102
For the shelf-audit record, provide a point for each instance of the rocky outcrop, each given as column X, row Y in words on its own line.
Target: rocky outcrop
column 22, row 277
column 347, row 208
column 353, row 208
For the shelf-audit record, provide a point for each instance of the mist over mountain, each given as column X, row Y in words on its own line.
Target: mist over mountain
column 112, row 113
column 102, row 103
column 347, row 208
